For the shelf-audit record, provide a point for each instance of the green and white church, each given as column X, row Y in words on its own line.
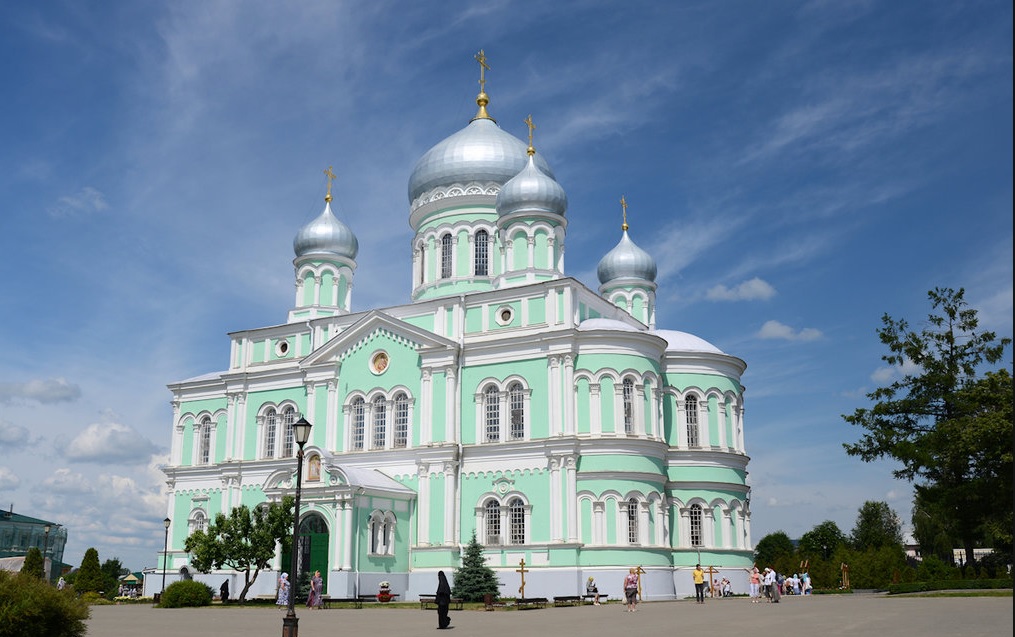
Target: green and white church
column 555, row 422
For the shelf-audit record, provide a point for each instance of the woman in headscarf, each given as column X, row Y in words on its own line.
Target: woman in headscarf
column 443, row 600
column 283, row 591
column 314, row 599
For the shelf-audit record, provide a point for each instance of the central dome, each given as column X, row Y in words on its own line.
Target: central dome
column 479, row 153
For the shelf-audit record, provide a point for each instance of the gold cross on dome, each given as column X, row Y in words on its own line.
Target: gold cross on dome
column 532, row 127
column 330, row 175
column 623, row 204
column 483, row 67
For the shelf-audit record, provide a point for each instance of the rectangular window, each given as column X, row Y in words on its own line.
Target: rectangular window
column 401, row 422
column 482, row 253
column 696, row 535
column 691, row 412
column 357, row 425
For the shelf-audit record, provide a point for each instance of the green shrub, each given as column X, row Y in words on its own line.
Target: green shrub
column 944, row 585
column 186, row 593
column 30, row 606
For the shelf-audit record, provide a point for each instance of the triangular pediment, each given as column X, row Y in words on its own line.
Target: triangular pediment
column 372, row 325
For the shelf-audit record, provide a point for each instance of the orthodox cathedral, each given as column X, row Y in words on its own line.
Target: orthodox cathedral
column 555, row 422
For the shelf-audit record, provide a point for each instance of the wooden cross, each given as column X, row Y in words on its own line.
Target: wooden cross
column 521, row 569
column 532, row 127
column 640, row 571
column 623, row 204
column 330, row 175
column 483, row 67
column 711, row 571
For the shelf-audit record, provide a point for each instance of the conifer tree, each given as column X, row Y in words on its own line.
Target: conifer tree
column 89, row 578
column 34, row 565
column 475, row 579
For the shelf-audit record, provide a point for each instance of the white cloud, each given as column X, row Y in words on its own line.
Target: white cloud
column 65, row 482
column 8, row 479
column 110, row 442
column 86, row 201
column 47, row 392
column 778, row 331
column 886, row 375
column 12, row 436
column 752, row 290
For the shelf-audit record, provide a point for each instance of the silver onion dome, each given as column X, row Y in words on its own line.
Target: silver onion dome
column 531, row 190
column 481, row 152
column 626, row 261
column 326, row 236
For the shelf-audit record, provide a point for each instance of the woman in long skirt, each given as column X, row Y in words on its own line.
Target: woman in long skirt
column 316, row 587
column 283, row 591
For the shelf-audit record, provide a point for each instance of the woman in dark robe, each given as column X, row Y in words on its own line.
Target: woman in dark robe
column 443, row 600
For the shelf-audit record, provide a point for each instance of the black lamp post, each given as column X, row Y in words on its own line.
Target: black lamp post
column 165, row 554
column 45, row 549
column 290, row 623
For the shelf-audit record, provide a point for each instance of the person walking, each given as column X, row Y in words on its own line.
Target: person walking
column 631, row 590
column 224, row 592
column 699, row 584
column 282, row 600
column 443, row 600
column 314, row 599
column 755, row 585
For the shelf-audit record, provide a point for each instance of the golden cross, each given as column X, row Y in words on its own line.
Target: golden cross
column 623, row 204
column 532, row 127
column 483, row 67
column 330, row 175
column 523, row 571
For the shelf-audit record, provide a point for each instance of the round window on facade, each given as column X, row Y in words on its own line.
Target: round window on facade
column 282, row 349
column 379, row 362
column 505, row 315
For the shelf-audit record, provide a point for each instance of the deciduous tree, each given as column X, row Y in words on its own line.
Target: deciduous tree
column 775, row 550
column 244, row 540
column 949, row 427
column 877, row 526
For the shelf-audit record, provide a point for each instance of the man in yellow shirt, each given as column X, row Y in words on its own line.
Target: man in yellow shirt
column 699, row 584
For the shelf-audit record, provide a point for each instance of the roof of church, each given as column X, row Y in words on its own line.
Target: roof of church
column 684, row 342
column 626, row 261
column 326, row 236
column 531, row 190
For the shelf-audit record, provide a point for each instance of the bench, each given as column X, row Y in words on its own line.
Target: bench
column 591, row 599
column 567, row 600
column 328, row 600
column 429, row 602
column 531, row 602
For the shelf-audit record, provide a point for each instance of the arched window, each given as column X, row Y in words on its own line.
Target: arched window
column 696, row 532
column 691, row 412
column 632, row 521
column 270, row 425
column 358, row 415
column 516, row 518
column 482, row 257
column 516, row 398
column 204, row 450
column 446, row 256
column 288, row 420
column 492, row 396
column 628, row 389
column 380, row 423
column 401, row 420
column 492, row 512
column 198, row 521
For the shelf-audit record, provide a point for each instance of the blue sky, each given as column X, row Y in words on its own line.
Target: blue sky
column 797, row 169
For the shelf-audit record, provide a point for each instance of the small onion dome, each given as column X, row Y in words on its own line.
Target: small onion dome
column 326, row 236
column 531, row 190
column 626, row 261
column 480, row 152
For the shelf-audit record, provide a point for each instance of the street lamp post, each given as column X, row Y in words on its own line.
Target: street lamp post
column 45, row 549
column 165, row 555
column 290, row 623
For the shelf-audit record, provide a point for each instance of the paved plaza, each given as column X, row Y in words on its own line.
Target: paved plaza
column 817, row 616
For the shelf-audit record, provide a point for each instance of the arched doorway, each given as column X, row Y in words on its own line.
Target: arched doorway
column 312, row 550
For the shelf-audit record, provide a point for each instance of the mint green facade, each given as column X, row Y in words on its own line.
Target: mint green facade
column 506, row 399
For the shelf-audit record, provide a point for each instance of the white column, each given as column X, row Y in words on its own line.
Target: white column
column 555, row 509
column 423, row 504
column 347, row 507
column 176, row 447
column 704, row 426
column 230, row 446
column 570, row 427
column 425, row 409
column 553, row 395
column 643, row 537
column 595, row 410
column 639, row 409
column 571, row 497
column 331, row 418
column 299, row 291
column 722, row 424
column 450, row 510
column 598, row 523
column 450, row 392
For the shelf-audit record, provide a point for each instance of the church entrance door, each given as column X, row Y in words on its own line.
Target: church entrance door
column 312, row 550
